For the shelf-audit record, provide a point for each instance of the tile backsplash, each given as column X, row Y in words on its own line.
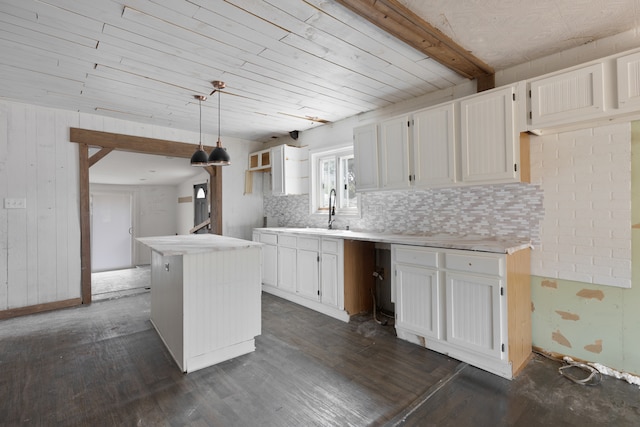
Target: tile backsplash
column 505, row 210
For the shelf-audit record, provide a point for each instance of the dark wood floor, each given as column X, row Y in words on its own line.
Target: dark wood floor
column 105, row 365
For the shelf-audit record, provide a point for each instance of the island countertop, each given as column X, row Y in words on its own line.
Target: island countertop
column 445, row 241
column 194, row 243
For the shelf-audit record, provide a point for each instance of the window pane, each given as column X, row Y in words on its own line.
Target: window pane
column 327, row 181
column 347, row 183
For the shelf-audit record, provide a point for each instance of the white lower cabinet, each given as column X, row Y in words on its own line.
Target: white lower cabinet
column 287, row 266
column 310, row 272
column 455, row 302
column 418, row 290
column 269, row 257
column 307, row 283
column 474, row 313
column 417, row 300
column 332, row 273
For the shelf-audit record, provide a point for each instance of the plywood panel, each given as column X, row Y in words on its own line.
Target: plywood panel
column 525, row 158
column 519, row 308
column 359, row 265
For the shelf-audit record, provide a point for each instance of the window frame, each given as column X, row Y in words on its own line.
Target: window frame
column 315, row 157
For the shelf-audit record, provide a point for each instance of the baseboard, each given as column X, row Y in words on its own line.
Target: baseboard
column 39, row 308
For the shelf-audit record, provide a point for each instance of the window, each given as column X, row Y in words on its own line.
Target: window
column 334, row 169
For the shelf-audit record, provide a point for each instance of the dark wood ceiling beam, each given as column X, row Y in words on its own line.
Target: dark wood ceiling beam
column 99, row 156
column 135, row 144
column 399, row 21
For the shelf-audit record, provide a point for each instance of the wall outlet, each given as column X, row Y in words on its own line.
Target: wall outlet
column 15, row 203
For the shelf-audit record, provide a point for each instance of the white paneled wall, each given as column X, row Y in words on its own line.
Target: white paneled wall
column 40, row 243
column 586, row 230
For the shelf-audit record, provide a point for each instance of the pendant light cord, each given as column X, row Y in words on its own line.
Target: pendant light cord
column 200, row 102
column 219, row 94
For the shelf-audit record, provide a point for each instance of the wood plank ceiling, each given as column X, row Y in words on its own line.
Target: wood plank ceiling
column 288, row 64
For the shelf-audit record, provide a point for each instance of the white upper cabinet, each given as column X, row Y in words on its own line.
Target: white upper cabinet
column 628, row 68
column 490, row 148
column 277, row 171
column 434, row 151
column 289, row 170
column 394, row 153
column 365, row 156
column 567, row 97
column 415, row 150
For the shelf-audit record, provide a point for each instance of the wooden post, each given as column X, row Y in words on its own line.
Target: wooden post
column 85, row 225
column 114, row 141
column 215, row 199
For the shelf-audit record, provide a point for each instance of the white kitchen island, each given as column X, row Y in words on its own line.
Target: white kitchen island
column 205, row 297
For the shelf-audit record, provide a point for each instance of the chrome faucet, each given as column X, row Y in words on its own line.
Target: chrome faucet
column 332, row 208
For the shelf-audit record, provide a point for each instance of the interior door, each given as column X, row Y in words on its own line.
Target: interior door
column 111, row 231
column 200, row 207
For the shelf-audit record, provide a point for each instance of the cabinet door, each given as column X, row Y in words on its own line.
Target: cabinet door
column 270, row 265
column 474, row 319
column 287, row 269
column 489, row 141
column 434, row 154
column 394, row 153
column 329, row 279
column 628, row 68
column 308, row 274
column 365, row 157
column 277, row 171
column 567, row 97
column 418, row 300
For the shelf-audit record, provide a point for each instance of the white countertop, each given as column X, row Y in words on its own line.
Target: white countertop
column 194, row 243
column 446, row 241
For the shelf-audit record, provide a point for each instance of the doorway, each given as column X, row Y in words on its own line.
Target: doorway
column 111, row 231
column 200, row 207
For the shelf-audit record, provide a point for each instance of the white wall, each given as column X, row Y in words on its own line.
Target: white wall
column 241, row 212
column 154, row 213
column 40, row 245
column 586, row 179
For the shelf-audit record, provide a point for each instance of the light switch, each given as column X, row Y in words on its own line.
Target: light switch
column 15, row 203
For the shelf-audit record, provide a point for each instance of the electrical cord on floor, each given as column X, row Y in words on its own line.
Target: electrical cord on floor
column 593, row 378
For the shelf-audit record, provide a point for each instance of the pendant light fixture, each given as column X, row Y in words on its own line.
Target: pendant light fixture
column 219, row 155
column 200, row 157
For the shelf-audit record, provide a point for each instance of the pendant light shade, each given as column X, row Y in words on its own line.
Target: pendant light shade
column 200, row 157
column 219, row 155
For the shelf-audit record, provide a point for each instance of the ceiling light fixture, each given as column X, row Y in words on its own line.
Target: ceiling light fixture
column 219, row 155
column 200, row 157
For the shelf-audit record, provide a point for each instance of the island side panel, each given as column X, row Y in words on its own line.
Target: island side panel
column 167, row 303
column 222, row 305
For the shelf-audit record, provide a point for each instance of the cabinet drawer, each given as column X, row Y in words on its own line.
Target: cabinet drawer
column 474, row 264
column 271, row 239
column 416, row 256
column 330, row 245
column 308, row 243
column 288, row 241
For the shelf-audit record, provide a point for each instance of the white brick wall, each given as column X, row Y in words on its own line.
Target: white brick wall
column 586, row 179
